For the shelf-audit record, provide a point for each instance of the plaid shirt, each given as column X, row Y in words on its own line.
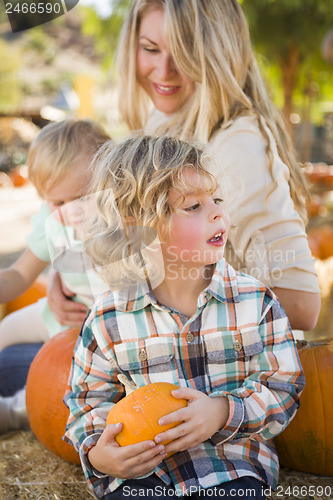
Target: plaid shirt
column 238, row 344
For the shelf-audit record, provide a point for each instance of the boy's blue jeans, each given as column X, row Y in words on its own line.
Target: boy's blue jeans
column 15, row 362
column 153, row 488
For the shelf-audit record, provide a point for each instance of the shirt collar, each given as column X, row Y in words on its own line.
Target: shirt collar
column 223, row 286
column 134, row 298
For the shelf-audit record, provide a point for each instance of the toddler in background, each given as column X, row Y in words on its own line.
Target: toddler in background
column 59, row 167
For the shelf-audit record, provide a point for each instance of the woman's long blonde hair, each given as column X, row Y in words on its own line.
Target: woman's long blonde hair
column 210, row 43
column 132, row 182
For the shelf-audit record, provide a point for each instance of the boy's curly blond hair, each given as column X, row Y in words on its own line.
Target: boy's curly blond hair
column 132, row 182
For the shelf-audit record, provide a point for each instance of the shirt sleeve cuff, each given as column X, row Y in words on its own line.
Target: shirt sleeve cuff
column 88, row 443
column 235, row 419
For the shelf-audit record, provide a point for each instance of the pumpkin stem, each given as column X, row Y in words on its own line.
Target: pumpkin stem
column 129, row 386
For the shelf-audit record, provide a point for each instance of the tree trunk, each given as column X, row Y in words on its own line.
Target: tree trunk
column 327, row 47
column 289, row 67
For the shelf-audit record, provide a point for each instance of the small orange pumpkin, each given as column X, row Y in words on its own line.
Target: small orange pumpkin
column 321, row 174
column 46, row 385
column 36, row 291
column 315, row 206
column 19, row 176
column 307, row 443
column 140, row 411
column 321, row 241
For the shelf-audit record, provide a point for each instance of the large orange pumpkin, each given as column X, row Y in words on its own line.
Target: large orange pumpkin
column 307, row 443
column 140, row 411
column 46, row 384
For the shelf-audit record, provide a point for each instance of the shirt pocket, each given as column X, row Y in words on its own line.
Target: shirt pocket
column 148, row 360
column 228, row 356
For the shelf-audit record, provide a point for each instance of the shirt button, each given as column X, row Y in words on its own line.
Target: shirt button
column 143, row 355
column 238, row 346
column 189, row 337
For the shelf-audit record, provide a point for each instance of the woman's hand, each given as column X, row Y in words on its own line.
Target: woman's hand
column 125, row 462
column 199, row 420
column 66, row 311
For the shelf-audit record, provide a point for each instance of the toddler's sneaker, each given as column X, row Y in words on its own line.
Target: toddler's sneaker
column 13, row 412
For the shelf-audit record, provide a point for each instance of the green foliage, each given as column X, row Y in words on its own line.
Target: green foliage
column 105, row 31
column 39, row 43
column 9, row 83
column 36, row 40
column 275, row 24
column 280, row 26
column 313, row 71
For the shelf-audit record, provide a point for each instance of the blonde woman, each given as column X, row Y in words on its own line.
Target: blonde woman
column 186, row 68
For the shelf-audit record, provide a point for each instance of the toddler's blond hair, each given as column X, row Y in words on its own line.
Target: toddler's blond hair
column 59, row 146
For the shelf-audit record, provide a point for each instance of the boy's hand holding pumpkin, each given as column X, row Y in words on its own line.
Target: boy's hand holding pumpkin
column 124, row 462
column 200, row 420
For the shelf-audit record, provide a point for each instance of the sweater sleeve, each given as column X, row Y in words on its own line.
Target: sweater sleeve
column 267, row 239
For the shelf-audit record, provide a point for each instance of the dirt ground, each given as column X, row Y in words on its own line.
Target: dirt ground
column 29, row 472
